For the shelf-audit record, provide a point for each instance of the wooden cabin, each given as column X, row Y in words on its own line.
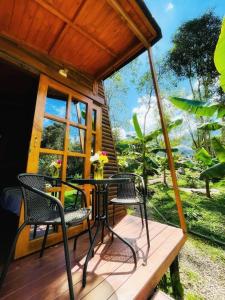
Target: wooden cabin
column 55, row 55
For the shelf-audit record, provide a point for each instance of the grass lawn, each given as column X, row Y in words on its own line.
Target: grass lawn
column 203, row 215
column 202, row 262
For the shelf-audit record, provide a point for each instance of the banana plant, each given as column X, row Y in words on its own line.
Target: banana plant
column 163, row 160
column 214, row 170
column 148, row 162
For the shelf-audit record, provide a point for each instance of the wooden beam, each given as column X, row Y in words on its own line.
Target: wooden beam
column 167, row 143
column 38, row 62
column 133, row 27
column 94, row 40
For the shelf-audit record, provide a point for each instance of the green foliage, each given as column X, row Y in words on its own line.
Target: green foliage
column 219, row 56
column 219, row 149
column 216, row 171
column 199, row 108
column 192, row 54
column 210, row 126
column 203, row 156
column 137, row 127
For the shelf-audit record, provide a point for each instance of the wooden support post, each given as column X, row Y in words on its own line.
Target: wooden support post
column 175, row 280
column 167, row 143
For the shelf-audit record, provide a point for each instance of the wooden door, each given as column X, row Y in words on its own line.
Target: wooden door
column 66, row 130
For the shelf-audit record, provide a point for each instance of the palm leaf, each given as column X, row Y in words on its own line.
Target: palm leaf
column 196, row 107
column 219, row 56
column 216, row 171
column 137, row 127
column 219, row 149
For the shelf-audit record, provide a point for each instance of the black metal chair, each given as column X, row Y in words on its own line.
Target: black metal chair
column 132, row 193
column 41, row 208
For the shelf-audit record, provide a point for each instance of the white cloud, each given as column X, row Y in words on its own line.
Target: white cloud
column 120, row 132
column 169, row 6
column 152, row 120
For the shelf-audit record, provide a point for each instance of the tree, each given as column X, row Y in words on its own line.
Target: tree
column 192, row 54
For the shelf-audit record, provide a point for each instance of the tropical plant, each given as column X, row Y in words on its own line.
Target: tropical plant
column 163, row 160
column 219, row 55
column 148, row 164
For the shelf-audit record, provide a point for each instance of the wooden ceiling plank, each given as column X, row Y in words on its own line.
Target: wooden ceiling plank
column 59, row 38
column 75, row 27
column 116, row 6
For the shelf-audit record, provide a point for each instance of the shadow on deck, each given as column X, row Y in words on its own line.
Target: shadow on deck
column 111, row 273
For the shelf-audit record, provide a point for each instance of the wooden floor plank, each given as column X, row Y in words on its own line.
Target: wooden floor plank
column 121, row 275
column 111, row 273
column 98, row 275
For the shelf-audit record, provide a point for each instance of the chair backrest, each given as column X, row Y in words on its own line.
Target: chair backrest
column 129, row 189
column 36, row 206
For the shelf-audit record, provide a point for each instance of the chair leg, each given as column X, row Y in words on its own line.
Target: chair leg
column 68, row 264
column 90, row 235
column 75, row 243
column 6, row 266
column 146, row 223
column 113, row 214
column 90, row 252
column 103, row 226
column 44, row 241
column 34, row 232
column 142, row 221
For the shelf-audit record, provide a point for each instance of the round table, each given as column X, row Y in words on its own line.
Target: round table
column 101, row 211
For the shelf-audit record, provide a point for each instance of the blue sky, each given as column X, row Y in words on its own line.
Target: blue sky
column 170, row 15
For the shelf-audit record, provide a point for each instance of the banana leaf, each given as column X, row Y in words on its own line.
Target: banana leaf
column 204, row 156
column 216, row 171
column 219, row 56
column 219, row 149
column 196, row 107
column 211, row 126
column 137, row 127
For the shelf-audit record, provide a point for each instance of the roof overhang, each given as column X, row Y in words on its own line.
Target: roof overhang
column 94, row 37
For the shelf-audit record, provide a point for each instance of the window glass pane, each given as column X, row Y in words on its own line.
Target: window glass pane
column 50, row 165
column 94, row 115
column 78, row 112
column 56, row 103
column 93, row 139
column 75, row 167
column 53, row 135
column 76, row 140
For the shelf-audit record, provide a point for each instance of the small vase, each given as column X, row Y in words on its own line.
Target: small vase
column 98, row 173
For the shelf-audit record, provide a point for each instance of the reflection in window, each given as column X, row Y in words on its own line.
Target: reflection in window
column 75, row 167
column 76, row 139
column 46, row 162
column 56, row 103
column 53, row 135
column 93, row 139
column 78, row 112
column 94, row 114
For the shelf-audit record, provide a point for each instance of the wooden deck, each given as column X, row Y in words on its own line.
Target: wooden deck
column 111, row 273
